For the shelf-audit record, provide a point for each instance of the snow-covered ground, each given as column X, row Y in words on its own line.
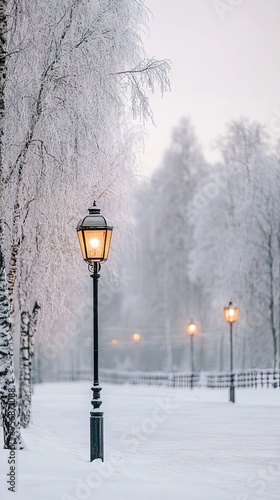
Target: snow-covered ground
column 160, row 443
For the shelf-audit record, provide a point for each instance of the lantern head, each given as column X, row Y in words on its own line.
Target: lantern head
column 94, row 233
column 191, row 328
column 231, row 313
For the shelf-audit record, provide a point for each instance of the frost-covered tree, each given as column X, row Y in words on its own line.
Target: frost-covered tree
column 74, row 69
column 236, row 241
column 69, row 104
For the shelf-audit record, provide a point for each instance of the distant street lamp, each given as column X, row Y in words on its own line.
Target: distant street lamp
column 192, row 330
column 231, row 315
column 94, row 233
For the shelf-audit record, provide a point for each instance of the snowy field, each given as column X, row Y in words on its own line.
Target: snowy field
column 160, row 444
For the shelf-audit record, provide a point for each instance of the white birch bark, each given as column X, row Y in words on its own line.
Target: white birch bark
column 8, row 394
column 24, row 371
column 27, row 334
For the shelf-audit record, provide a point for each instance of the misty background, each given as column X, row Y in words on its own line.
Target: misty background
column 204, row 215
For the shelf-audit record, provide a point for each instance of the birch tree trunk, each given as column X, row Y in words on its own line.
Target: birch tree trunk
column 24, row 371
column 8, row 395
column 27, row 334
column 32, row 332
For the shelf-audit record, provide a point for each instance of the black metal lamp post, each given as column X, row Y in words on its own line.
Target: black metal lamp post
column 136, row 339
column 94, row 233
column 191, row 330
column 231, row 315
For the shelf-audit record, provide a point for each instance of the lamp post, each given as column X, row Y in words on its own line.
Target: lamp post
column 136, row 339
column 191, row 330
column 231, row 315
column 94, row 233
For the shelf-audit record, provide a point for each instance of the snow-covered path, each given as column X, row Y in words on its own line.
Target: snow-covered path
column 159, row 443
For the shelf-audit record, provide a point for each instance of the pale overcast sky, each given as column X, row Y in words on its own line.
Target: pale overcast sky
column 225, row 63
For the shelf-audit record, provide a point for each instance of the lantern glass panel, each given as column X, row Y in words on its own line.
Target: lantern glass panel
column 107, row 243
column 82, row 244
column 94, row 243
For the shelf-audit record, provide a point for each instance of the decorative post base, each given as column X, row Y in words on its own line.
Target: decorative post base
column 96, row 436
column 96, row 426
column 231, row 394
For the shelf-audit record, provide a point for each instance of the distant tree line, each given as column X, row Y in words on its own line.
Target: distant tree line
column 207, row 234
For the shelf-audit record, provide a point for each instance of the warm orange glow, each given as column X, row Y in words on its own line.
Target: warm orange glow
column 231, row 313
column 107, row 244
column 136, row 337
column 191, row 328
column 82, row 245
column 114, row 342
column 95, row 241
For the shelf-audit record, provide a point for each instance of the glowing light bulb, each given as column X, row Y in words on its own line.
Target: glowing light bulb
column 94, row 242
column 231, row 312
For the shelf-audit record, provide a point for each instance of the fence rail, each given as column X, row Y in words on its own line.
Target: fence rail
column 248, row 378
column 263, row 378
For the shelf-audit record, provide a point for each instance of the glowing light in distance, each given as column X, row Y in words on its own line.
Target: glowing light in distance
column 136, row 337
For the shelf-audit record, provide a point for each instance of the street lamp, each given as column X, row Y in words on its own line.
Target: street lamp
column 94, row 233
column 231, row 315
column 191, row 330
